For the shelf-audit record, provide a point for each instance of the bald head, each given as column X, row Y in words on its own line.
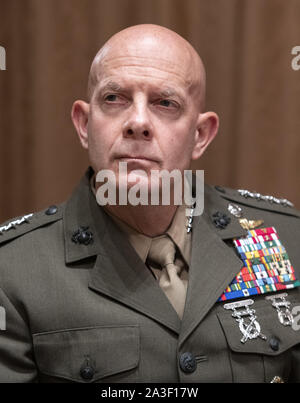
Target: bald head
column 157, row 46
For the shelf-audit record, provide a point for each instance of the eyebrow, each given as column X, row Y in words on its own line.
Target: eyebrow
column 112, row 86
column 170, row 92
column 166, row 92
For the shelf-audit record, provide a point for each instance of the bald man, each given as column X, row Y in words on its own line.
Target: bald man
column 128, row 292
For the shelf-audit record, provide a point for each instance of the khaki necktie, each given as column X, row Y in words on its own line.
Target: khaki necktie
column 162, row 252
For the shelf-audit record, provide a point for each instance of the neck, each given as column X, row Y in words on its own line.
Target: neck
column 148, row 220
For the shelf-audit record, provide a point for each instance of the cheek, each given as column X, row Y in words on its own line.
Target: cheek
column 102, row 134
column 180, row 141
column 177, row 152
column 101, row 137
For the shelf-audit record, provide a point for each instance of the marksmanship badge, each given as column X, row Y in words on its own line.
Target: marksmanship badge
column 282, row 306
column 246, row 319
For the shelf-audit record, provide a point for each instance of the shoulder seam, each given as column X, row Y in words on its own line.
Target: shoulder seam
column 21, row 226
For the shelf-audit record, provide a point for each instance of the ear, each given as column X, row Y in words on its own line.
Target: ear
column 80, row 118
column 207, row 128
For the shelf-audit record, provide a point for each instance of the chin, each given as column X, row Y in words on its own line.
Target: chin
column 133, row 179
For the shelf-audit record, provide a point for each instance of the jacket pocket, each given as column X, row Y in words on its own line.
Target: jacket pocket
column 259, row 359
column 89, row 354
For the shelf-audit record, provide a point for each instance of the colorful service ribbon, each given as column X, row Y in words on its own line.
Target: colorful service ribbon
column 267, row 267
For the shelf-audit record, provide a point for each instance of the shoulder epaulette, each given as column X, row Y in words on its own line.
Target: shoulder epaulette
column 21, row 225
column 257, row 200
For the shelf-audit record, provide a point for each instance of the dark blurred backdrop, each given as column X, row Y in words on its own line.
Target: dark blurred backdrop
column 246, row 47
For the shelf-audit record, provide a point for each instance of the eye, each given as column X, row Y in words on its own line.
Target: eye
column 168, row 104
column 111, row 98
column 165, row 102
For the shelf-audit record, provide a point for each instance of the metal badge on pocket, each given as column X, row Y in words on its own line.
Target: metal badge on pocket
column 281, row 305
column 246, row 319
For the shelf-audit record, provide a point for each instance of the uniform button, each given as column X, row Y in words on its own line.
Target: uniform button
column 274, row 343
column 51, row 210
column 187, row 362
column 87, row 373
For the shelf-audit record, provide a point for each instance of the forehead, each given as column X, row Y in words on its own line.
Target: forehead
column 145, row 59
column 142, row 74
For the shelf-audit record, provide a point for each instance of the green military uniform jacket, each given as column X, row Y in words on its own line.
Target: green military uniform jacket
column 93, row 312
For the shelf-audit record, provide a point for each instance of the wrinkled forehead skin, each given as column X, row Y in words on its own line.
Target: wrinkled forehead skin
column 150, row 47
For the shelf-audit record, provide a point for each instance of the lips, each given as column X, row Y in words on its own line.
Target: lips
column 136, row 157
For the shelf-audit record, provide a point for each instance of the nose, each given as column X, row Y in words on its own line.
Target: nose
column 138, row 124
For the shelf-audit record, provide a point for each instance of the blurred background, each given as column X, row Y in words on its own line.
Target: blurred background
column 246, row 47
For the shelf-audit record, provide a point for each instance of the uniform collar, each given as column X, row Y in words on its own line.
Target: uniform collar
column 82, row 210
column 177, row 231
column 214, row 203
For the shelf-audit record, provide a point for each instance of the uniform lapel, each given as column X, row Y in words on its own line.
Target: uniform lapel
column 118, row 272
column 213, row 266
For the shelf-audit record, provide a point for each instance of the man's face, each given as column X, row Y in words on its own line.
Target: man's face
column 143, row 110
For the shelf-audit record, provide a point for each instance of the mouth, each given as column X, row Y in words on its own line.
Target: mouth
column 136, row 158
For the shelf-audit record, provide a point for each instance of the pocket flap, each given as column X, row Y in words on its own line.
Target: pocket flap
column 267, row 318
column 87, row 354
